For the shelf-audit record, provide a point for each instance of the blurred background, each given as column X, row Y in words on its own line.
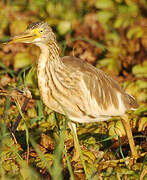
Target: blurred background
column 110, row 34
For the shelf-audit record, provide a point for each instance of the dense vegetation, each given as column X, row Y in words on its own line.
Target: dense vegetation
column 111, row 35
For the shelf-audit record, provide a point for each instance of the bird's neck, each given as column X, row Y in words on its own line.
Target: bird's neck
column 49, row 59
column 49, row 52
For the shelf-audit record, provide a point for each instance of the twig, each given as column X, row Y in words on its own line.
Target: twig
column 16, row 123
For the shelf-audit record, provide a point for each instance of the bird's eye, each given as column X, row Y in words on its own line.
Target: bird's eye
column 41, row 30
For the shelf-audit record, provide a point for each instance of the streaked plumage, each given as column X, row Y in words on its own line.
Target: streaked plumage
column 86, row 93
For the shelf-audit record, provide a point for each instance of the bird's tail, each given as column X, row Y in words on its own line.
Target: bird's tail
column 131, row 102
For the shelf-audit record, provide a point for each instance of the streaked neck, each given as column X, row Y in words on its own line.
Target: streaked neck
column 49, row 59
column 49, row 52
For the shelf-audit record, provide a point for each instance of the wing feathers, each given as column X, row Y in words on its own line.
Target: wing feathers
column 100, row 94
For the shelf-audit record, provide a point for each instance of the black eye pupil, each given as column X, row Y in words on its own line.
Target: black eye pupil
column 41, row 31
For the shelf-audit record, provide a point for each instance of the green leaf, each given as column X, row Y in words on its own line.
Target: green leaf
column 63, row 27
column 39, row 106
column 111, row 64
column 21, row 60
column 135, row 32
column 119, row 21
column 104, row 4
column 140, row 70
column 104, row 16
column 142, row 124
column 7, row 70
column 31, row 78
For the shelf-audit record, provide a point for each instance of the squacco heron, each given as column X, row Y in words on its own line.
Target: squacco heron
column 86, row 93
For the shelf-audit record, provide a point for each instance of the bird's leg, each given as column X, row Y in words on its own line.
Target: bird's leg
column 77, row 152
column 128, row 130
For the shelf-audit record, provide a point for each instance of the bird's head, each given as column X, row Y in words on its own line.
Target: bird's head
column 39, row 32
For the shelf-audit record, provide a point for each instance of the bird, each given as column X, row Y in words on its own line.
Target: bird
column 71, row 86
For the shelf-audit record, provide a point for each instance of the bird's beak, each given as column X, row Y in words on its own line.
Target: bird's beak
column 25, row 37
